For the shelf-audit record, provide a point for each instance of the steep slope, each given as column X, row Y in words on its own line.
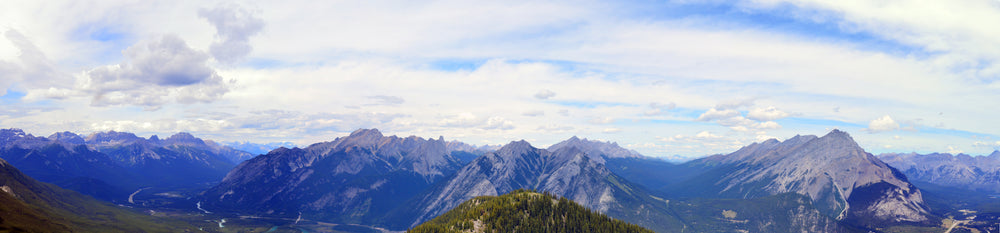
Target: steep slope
column 348, row 180
column 568, row 172
column 27, row 205
column 652, row 173
column 977, row 173
column 842, row 179
column 523, row 211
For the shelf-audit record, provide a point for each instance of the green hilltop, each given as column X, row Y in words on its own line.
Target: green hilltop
column 524, row 211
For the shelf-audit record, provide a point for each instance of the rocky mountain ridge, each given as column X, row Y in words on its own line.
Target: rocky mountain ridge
column 978, row 173
column 844, row 181
column 350, row 179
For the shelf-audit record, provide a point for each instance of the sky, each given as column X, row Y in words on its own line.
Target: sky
column 672, row 79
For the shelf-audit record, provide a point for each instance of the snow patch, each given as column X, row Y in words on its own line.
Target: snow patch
column 7, row 189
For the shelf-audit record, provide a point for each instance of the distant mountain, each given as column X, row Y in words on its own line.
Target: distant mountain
column 568, row 172
column 27, row 205
column 843, row 180
column 351, row 179
column 257, row 148
column 603, row 150
column 523, row 211
column 979, row 173
column 109, row 165
column 179, row 160
column 466, row 152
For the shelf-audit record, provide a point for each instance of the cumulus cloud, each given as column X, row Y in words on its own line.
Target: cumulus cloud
column 386, row 100
column 602, row 120
column 498, row 123
column 659, row 108
column 154, row 72
column 612, row 130
column 469, row 120
column 766, row 114
column 555, row 128
column 734, row 104
column 534, row 113
column 882, row 124
column 704, row 139
column 544, row 94
column 716, row 114
column 953, row 150
column 234, row 26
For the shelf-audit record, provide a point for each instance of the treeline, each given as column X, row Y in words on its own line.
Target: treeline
column 524, row 211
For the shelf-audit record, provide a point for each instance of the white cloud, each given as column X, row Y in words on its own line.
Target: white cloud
column 469, row 120
column 554, row 128
column 602, row 120
column 766, row 114
column 498, row 123
column 882, row 124
column 322, row 58
column 706, row 135
column 534, row 113
column 544, row 94
column 953, row 150
column 715, row 114
column 386, row 100
column 154, row 73
column 612, row 130
column 659, row 108
column 234, row 26
column 33, row 69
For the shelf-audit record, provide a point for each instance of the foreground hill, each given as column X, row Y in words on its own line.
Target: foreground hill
column 567, row 172
column 976, row 173
column 524, row 211
column 27, row 205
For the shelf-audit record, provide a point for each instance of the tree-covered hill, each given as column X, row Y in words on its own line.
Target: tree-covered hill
column 524, row 211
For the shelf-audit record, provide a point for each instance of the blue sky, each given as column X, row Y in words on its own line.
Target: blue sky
column 671, row 79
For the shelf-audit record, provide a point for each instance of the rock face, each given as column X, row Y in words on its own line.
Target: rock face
column 567, row 172
column 349, row 180
column 978, row 173
column 842, row 179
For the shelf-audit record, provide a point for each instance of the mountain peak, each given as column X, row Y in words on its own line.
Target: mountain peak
column 837, row 133
column 68, row 137
column 839, row 136
column 517, row 146
column 112, row 137
column 373, row 132
column 183, row 138
column 10, row 135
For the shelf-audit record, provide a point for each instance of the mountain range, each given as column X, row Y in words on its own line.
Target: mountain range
column 979, row 173
column 802, row 184
column 843, row 180
column 350, row 179
column 108, row 165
